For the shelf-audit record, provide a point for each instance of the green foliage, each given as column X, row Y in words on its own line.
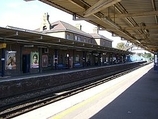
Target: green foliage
column 121, row 46
column 148, row 55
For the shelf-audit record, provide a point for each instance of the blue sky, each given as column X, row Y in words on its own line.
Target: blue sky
column 28, row 15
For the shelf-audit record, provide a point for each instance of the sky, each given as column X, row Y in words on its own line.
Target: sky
column 28, row 15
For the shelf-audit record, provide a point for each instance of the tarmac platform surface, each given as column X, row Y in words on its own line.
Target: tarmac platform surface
column 132, row 96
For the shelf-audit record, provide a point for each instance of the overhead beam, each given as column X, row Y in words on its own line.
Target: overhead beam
column 86, row 19
column 152, row 36
column 154, row 7
column 144, row 27
column 101, row 4
column 138, row 14
column 81, row 18
column 150, row 44
column 77, row 3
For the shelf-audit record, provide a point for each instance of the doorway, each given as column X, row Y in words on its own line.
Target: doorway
column 26, row 63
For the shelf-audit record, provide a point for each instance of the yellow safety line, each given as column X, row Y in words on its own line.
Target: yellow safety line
column 77, row 106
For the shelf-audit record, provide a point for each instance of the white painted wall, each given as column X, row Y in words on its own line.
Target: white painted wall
column 57, row 34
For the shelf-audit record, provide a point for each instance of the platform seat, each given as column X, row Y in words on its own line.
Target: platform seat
column 77, row 65
column 61, row 66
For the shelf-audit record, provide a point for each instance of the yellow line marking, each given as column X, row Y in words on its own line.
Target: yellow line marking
column 62, row 114
column 108, row 90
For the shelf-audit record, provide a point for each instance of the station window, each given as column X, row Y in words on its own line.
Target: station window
column 104, row 43
column 77, row 58
column 84, row 40
column 90, row 41
column 68, row 36
column 87, row 40
column 79, row 38
column 76, row 37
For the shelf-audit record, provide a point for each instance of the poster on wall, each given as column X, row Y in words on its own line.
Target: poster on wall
column 10, row 60
column 44, row 61
column 34, row 60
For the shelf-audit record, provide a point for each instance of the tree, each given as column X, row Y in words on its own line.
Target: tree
column 121, row 46
column 148, row 55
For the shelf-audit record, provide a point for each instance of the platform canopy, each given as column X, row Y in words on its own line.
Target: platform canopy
column 29, row 38
column 132, row 20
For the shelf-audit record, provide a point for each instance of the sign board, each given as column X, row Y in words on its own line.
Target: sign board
column 3, row 45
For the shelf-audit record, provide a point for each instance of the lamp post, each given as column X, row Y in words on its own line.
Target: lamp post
column 3, row 62
column 67, row 55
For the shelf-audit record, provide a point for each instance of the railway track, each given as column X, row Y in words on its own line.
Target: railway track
column 19, row 108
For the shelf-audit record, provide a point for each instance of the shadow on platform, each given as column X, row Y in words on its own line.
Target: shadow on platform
column 139, row 101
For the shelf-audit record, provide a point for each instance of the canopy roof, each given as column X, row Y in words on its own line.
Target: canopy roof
column 133, row 20
column 23, row 36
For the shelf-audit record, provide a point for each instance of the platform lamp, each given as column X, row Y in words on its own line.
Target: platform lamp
column 67, row 55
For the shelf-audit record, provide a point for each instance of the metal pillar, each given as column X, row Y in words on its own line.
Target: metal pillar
column 3, row 62
column 56, row 58
column 40, row 60
column 73, row 56
column 68, row 60
column 99, row 59
column 156, row 61
column 84, row 59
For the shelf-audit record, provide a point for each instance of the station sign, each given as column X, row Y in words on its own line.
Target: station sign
column 3, row 45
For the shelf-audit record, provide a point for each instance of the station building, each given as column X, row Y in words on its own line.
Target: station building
column 54, row 46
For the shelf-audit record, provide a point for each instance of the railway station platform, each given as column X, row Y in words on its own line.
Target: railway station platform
column 132, row 96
